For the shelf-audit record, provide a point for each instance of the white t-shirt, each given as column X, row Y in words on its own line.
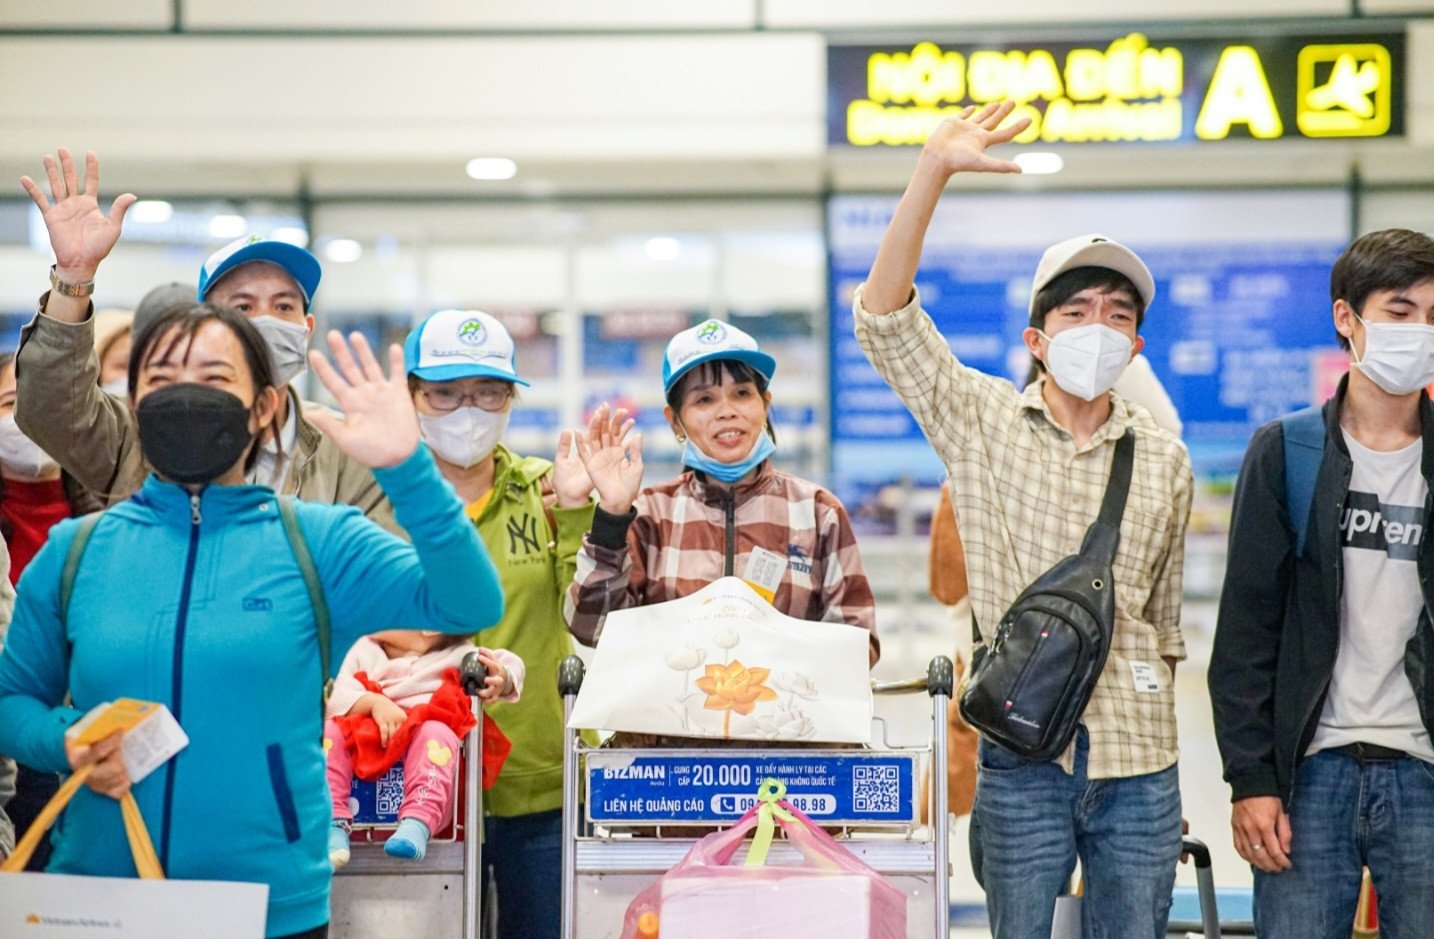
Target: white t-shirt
column 270, row 467
column 1370, row 699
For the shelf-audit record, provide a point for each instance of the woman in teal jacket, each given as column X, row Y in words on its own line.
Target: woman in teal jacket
column 189, row 593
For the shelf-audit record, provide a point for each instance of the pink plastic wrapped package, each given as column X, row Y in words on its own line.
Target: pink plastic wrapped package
column 831, row 893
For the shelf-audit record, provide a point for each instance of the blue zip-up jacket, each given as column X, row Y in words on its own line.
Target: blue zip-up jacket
column 198, row 602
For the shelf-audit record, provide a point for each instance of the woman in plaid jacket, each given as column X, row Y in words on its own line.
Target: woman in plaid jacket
column 731, row 512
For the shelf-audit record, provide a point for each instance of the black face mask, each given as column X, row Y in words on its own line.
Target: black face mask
column 192, row 433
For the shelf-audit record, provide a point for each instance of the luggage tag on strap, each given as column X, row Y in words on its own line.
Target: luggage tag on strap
column 151, row 734
column 764, row 571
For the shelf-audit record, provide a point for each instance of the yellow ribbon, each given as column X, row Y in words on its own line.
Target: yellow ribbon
column 770, row 793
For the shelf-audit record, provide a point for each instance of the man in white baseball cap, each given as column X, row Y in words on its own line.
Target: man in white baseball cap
column 1028, row 471
column 92, row 434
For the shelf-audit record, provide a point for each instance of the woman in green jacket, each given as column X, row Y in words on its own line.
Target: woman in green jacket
column 532, row 514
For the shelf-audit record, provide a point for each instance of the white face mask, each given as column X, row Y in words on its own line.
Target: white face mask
column 1086, row 360
column 119, row 387
column 1398, row 357
column 288, row 347
column 20, row 455
column 464, row 437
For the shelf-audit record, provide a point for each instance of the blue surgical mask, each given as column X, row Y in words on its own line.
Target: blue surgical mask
column 694, row 458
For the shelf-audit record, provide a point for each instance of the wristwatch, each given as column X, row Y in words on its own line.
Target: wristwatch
column 83, row 289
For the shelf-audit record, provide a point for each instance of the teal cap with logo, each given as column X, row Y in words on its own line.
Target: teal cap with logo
column 454, row 344
column 704, row 342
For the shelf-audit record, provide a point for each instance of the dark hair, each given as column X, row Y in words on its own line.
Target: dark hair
column 710, row 373
column 450, row 640
column 1060, row 289
column 181, row 324
column 1392, row 259
column 5, row 359
column 189, row 321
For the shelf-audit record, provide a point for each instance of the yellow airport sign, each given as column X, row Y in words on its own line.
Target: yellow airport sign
column 1126, row 88
column 1345, row 90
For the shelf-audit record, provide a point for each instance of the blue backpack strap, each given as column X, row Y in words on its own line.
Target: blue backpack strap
column 1304, row 433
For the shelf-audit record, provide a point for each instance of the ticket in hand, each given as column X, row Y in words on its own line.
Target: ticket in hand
column 151, row 734
column 108, row 717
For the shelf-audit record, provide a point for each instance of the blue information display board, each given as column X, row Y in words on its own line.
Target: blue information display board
column 833, row 787
column 1239, row 334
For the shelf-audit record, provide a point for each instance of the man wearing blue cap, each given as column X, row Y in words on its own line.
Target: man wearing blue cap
column 92, row 434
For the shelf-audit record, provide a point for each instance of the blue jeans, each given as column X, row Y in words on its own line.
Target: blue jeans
column 1035, row 820
column 1346, row 816
column 524, row 854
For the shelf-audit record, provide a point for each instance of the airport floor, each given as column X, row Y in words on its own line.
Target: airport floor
column 910, row 639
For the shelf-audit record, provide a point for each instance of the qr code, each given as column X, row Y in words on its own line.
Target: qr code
column 388, row 792
column 875, row 789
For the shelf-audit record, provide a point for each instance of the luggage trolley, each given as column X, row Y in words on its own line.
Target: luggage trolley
column 377, row 897
column 870, row 794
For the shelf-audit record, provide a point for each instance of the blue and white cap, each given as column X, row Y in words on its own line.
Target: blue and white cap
column 296, row 262
column 454, row 344
column 704, row 342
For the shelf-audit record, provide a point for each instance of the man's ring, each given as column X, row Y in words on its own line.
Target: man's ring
column 1257, row 847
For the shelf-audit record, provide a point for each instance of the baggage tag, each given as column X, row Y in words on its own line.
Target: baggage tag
column 1142, row 674
column 764, row 571
column 151, row 734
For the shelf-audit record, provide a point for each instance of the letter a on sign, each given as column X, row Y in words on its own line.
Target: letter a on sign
column 1238, row 94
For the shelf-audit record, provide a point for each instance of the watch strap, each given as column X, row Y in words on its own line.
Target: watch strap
column 83, row 289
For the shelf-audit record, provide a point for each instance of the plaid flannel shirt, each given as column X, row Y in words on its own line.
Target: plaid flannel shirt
column 677, row 544
column 1024, row 495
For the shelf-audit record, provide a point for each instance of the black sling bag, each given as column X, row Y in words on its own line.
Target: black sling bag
column 1029, row 688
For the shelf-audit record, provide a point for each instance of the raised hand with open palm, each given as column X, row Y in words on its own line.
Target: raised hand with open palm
column 80, row 234
column 378, row 427
column 613, row 457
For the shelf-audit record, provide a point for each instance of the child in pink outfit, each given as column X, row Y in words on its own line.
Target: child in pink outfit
column 409, row 667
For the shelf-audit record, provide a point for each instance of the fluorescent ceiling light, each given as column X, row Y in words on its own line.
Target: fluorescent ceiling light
column 151, row 212
column 1039, row 162
column 343, row 250
column 664, row 248
column 491, row 168
column 227, row 226
column 291, row 234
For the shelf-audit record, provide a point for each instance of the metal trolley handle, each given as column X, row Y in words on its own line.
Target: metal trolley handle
column 570, row 680
column 471, row 675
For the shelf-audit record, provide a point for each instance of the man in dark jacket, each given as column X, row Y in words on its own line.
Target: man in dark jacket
column 1320, row 674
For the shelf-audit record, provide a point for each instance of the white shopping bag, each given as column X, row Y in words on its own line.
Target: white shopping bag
column 60, row 906
column 723, row 663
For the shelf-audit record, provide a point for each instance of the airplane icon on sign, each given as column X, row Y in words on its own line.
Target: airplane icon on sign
column 1353, row 100
column 1348, row 87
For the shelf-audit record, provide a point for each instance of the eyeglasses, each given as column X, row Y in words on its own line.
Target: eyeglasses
column 447, row 398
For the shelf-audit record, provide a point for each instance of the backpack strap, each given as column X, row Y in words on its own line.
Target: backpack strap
column 1304, row 433
column 83, row 531
column 1102, row 538
column 300, row 548
column 1112, row 504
